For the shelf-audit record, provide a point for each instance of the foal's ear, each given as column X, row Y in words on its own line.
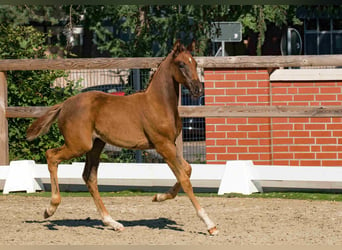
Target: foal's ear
column 192, row 46
column 178, row 48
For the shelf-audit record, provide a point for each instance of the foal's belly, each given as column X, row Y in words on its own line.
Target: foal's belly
column 124, row 138
column 130, row 144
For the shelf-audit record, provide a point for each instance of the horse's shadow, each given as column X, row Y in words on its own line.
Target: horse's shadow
column 159, row 223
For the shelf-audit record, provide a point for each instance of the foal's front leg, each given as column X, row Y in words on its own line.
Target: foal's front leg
column 176, row 163
column 172, row 192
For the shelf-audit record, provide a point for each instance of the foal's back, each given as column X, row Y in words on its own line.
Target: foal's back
column 117, row 120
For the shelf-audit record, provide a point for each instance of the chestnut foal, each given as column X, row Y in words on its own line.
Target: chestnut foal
column 143, row 120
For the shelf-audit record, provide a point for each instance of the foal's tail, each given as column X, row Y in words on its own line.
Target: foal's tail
column 43, row 123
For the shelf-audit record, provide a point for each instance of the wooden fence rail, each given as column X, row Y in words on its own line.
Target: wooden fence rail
column 142, row 62
column 216, row 111
column 188, row 111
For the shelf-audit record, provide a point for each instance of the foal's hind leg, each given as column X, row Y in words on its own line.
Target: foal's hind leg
column 172, row 192
column 54, row 157
column 90, row 178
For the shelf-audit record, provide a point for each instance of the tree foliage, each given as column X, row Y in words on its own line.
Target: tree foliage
column 30, row 88
column 24, row 14
column 150, row 30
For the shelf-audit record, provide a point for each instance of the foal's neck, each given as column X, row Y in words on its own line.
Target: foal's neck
column 163, row 86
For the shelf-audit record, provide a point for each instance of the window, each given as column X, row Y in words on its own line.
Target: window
column 322, row 36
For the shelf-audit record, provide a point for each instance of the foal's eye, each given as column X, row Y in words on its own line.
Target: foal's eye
column 182, row 65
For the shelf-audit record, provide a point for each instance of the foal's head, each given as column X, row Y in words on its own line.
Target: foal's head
column 185, row 70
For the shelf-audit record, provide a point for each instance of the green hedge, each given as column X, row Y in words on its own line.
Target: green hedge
column 30, row 88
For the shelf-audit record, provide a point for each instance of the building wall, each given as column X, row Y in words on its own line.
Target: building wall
column 278, row 141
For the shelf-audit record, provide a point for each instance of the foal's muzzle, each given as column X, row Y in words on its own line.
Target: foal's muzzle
column 196, row 88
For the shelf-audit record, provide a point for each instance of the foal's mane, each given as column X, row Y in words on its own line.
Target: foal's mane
column 172, row 53
column 152, row 75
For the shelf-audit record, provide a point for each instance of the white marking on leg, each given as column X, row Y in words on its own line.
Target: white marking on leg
column 205, row 218
column 108, row 221
column 160, row 197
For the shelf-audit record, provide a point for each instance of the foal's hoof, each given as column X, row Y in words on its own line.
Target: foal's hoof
column 120, row 229
column 159, row 197
column 46, row 214
column 155, row 198
column 108, row 221
column 213, row 231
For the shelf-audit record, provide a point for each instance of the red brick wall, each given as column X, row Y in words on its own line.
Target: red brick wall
column 278, row 141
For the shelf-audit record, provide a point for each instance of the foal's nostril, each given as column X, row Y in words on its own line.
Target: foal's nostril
column 201, row 89
column 197, row 91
